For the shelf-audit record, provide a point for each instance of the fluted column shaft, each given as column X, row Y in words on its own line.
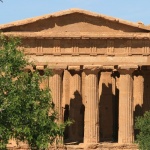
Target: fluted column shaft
column 76, row 84
column 76, row 129
column 56, row 88
column 91, row 122
column 138, row 91
column 106, row 106
column 126, row 106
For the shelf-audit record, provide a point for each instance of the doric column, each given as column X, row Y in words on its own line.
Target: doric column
column 83, row 76
column 126, row 133
column 106, row 106
column 56, row 88
column 91, row 120
column 138, row 92
column 75, row 80
column 76, row 106
column 66, row 88
column 66, row 100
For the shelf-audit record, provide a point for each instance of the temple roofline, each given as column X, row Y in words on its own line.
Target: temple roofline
column 71, row 11
column 77, row 35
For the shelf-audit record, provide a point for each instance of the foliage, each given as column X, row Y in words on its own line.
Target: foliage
column 143, row 124
column 26, row 111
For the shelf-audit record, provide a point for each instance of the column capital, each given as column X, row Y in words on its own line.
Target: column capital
column 105, row 67
column 28, row 68
column 39, row 67
column 75, row 68
column 127, row 69
column 92, row 69
column 57, row 67
column 106, row 72
column 57, row 71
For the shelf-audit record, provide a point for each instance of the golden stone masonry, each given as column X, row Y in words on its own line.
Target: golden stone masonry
column 101, row 70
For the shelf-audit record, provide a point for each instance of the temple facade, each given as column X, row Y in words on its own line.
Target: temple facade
column 101, row 70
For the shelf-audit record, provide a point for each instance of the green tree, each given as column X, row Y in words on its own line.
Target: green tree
column 143, row 125
column 27, row 112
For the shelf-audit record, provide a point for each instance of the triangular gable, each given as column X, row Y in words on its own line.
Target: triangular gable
column 74, row 20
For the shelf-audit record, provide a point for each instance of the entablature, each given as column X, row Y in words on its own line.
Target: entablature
column 87, row 47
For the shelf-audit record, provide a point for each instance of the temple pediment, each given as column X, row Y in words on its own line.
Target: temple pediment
column 79, row 37
column 74, row 20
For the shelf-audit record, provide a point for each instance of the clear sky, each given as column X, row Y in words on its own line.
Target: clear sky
column 131, row 10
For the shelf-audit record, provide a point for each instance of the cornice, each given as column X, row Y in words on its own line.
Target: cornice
column 80, row 35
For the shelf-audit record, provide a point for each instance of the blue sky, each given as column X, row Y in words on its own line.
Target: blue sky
column 131, row 10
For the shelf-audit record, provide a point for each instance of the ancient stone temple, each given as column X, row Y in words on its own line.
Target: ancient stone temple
column 101, row 69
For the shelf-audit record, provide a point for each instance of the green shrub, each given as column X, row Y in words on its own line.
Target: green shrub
column 27, row 112
column 143, row 125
